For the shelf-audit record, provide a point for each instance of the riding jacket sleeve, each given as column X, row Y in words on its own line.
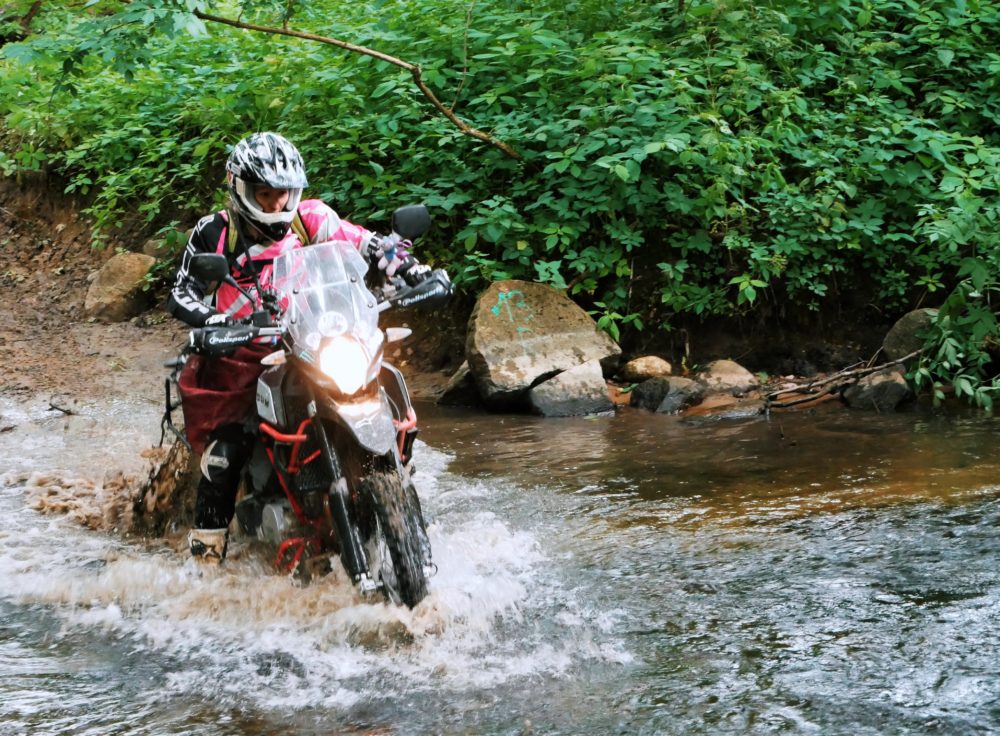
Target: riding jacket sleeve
column 188, row 297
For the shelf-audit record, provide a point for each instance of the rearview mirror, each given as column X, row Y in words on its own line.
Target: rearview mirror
column 208, row 267
column 411, row 221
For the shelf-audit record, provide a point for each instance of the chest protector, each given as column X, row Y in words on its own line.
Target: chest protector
column 257, row 259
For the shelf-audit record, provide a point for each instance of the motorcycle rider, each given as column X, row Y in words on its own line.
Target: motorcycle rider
column 265, row 218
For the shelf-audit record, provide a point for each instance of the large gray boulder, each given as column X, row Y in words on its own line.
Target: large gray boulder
column 115, row 294
column 577, row 392
column 902, row 338
column 521, row 334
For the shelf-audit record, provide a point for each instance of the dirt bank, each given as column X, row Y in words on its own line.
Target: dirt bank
column 52, row 351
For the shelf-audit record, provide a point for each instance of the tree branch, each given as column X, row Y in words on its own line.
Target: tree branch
column 832, row 384
column 55, row 407
column 413, row 69
column 7, row 13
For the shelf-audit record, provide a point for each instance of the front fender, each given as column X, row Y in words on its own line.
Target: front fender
column 369, row 422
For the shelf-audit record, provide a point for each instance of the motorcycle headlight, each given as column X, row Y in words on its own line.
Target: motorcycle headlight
column 345, row 362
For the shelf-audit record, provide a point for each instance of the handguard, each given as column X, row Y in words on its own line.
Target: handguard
column 431, row 293
column 217, row 341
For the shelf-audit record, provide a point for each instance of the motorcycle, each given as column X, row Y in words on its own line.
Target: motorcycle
column 330, row 469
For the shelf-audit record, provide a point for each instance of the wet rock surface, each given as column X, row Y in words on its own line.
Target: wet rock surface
column 883, row 391
column 577, row 392
column 521, row 334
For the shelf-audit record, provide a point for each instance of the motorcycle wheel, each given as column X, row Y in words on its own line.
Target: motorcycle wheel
column 400, row 527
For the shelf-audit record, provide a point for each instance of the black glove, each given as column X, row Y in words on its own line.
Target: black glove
column 270, row 298
column 412, row 271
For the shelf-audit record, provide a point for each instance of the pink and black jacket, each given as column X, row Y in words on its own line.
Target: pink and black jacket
column 190, row 300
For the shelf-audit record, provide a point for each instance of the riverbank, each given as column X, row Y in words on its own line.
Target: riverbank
column 61, row 357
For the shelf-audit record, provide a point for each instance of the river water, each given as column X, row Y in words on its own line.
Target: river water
column 819, row 572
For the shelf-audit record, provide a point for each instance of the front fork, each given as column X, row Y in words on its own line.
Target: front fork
column 352, row 551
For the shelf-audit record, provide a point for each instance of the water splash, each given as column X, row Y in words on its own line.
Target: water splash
column 254, row 637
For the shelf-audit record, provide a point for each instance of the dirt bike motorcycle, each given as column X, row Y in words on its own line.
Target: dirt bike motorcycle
column 330, row 470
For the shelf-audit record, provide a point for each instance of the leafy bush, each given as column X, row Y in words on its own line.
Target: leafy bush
column 702, row 157
column 964, row 339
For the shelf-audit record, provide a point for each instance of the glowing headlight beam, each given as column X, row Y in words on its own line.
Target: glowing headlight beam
column 345, row 362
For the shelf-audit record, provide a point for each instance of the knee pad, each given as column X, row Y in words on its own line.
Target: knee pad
column 221, row 462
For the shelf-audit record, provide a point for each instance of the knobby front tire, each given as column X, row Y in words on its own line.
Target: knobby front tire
column 401, row 525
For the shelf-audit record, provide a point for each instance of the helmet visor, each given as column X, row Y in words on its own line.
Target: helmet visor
column 246, row 195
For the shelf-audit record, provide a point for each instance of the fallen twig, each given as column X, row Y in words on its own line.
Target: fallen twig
column 68, row 412
column 831, row 384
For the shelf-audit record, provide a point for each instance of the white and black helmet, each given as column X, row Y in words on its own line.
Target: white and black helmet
column 270, row 159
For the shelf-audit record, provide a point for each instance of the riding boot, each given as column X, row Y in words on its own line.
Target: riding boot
column 221, row 465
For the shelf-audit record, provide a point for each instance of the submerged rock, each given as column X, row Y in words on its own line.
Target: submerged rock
column 683, row 393
column 883, row 391
column 650, row 393
column 720, row 406
column 667, row 395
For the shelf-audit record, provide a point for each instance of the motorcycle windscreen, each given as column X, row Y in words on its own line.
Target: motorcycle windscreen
column 322, row 288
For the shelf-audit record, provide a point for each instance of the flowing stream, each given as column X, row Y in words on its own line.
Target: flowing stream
column 819, row 572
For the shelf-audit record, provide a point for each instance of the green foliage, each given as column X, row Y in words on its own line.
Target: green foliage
column 611, row 321
column 172, row 241
column 707, row 162
column 963, row 342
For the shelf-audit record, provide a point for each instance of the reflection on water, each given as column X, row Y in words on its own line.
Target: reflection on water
column 827, row 457
column 822, row 572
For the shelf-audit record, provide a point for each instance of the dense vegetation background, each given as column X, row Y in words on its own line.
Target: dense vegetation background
column 709, row 158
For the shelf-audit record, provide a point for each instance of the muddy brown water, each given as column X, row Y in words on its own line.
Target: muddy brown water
column 823, row 572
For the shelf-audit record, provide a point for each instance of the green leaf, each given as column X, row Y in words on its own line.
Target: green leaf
column 383, row 89
column 951, row 184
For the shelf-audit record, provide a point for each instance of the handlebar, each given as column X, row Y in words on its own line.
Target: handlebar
column 432, row 292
